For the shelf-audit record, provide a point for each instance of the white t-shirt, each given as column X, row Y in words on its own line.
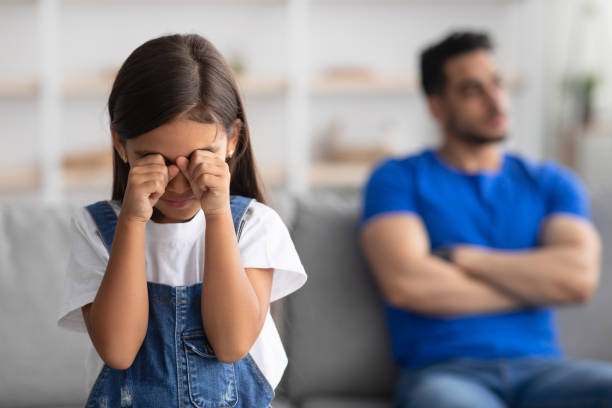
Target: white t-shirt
column 175, row 257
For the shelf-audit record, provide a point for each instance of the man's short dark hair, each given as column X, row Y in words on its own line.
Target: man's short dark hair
column 435, row 56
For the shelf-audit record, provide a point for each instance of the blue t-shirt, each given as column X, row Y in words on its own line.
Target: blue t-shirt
column 501, row 210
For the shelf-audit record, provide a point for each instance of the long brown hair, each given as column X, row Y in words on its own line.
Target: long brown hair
column 174, row 75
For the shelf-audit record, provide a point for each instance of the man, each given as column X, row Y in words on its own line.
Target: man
column 471, row 246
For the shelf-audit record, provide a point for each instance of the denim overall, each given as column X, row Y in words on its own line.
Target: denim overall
column 176, row 366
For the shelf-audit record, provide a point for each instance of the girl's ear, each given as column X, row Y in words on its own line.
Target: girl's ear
column 233, row 137
column 118, row 144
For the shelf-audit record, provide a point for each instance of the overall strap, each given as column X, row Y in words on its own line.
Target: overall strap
column 239, row 205
column 105, row 217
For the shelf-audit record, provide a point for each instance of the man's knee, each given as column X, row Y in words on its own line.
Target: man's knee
column 596, row 378
column 445, row 391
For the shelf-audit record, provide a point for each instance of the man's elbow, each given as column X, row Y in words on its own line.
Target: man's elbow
column 397, row 298
column 408, row 300
column 582, row 286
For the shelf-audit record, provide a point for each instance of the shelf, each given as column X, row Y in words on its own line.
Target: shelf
column 436, row 2
column 15, row 179
column 375, row 85
column 18, row 87
column 85, row 86
column 339, row 174
column 166, row 2
column 18, row 1
column 382, row 85
column 262, row 86
column 100, row 85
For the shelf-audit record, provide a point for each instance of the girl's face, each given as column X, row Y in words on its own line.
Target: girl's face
column 179, row 137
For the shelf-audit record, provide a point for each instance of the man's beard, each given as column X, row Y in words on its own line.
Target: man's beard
column 476, row 139
column 473, row 138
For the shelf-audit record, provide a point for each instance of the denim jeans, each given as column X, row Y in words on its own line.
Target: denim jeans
column 532, row 382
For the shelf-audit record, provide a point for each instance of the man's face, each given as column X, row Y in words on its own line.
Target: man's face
column 473, row 104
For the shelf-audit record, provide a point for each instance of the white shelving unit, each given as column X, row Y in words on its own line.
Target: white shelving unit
column 301, row 90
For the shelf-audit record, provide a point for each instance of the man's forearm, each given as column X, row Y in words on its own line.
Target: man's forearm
column 441, row 289
column 554, row 275
column 397, row 248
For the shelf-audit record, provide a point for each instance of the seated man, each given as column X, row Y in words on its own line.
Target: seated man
column 471, row 246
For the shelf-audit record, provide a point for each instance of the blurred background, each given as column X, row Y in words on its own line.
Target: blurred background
column 330, row 86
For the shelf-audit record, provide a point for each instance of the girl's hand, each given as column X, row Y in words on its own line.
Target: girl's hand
column 209, row 177
column 147, row 182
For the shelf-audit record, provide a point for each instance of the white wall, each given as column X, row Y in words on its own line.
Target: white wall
column 385, row 36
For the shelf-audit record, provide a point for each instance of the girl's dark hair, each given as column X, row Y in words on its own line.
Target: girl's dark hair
column 175, row 75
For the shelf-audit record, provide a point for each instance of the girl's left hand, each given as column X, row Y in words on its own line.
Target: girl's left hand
column 209, row 177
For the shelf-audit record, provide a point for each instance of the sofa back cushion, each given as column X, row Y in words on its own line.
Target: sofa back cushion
column 334, row 326
column 336, row 335
column 586, row 330
column 41, row 363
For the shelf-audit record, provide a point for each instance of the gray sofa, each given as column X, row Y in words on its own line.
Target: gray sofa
column 332, row 328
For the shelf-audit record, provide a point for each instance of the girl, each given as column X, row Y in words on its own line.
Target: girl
column 172, row 279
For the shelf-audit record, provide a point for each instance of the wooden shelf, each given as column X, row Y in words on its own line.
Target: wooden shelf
column 382, row 85
column 18, row 1
column 262, row 86
column 19, row 179
column 375, row 85
column 84, row 86
column 87, row 86
column 339, row 174
column 18, row 87
column 166, row 2
column 100, row 86
column 440, row 2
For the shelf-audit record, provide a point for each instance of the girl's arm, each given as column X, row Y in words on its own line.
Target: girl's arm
column 117, row 319
column 234, row 300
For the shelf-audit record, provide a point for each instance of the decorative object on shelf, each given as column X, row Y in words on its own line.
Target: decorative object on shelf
column 237, row 63
column 336, row 148
column 349, row 74
column 361, row 80
column 582, row 89
column 579, row 108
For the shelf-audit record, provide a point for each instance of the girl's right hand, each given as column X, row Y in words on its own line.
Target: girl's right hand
column 147, row 182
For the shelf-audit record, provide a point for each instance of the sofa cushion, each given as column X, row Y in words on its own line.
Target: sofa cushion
column 280, row 402
column 337, row 341
column 343, row 402
column 42, row 365
column 586, row 330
